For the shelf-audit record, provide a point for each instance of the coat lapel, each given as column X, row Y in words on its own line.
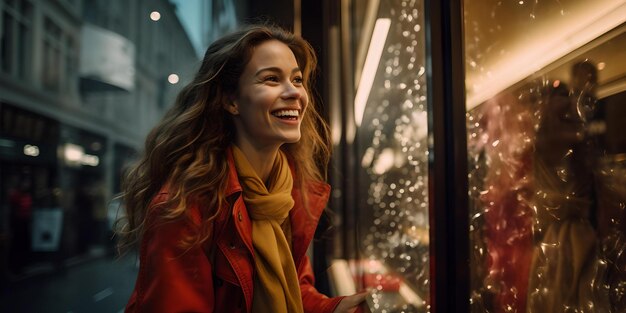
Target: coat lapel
column 303, row 222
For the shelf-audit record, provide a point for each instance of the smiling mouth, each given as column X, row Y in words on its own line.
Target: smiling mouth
column 290, row 115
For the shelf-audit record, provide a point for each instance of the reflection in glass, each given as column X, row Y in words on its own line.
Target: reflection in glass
column 393, row 152
column 547, row 158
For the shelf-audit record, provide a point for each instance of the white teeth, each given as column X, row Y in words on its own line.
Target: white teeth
column 290, row 113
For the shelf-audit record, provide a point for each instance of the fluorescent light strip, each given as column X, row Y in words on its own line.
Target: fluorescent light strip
column 371, row 12
column 379, row 36
column 532, row 57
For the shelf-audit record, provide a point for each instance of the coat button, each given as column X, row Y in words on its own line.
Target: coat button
column 232, row 246
column 239, row 216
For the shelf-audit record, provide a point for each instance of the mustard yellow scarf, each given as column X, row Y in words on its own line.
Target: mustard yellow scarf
column 276, row 287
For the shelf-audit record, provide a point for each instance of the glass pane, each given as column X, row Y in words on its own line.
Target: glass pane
column 392, row 150
column 546, row 86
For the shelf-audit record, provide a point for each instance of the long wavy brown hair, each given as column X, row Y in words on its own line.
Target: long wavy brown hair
column 187, row 150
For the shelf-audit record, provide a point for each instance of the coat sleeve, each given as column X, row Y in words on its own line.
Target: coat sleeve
column 172, row 278
column 312, row 300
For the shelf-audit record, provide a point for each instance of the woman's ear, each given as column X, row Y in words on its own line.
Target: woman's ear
column 231, row 107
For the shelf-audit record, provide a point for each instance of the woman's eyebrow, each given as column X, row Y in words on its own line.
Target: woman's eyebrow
column 276, row 69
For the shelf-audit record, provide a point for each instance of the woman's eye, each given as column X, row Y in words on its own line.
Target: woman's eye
column 271, row 79
column 298, row 80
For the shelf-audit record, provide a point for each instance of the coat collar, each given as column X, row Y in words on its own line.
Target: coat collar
column 303, row 219
column 233, row 185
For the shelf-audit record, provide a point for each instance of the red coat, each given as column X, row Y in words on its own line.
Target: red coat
column 172, row 281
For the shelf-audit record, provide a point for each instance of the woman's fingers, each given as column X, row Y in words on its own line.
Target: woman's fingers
column 349, row 304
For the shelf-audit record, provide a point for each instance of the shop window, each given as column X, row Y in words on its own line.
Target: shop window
column 546, row 84
column 16, row 37
column 391, row 141
column 21, row 124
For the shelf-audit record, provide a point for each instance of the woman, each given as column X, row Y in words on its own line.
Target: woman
column 227, row 196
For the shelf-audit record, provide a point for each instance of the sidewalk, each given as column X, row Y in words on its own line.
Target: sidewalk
column 98, row 285
column 51, row 265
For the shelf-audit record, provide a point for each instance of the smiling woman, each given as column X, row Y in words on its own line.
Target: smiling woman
column 225, row 199
column 269, row 105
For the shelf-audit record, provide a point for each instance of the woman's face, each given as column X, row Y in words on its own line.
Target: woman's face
column 271, row 99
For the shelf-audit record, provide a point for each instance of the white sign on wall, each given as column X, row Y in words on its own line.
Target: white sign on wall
column 47, row 226
column 107, row 57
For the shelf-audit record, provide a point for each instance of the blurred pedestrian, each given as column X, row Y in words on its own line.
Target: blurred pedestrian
column 21, row 212
column 227, row 195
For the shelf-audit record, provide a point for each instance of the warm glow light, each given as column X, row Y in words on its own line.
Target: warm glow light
column 73, row 153
column 91, row 160
column 384, row 162
column 155, row 16
column 368, row 157
column 342, row 277
column 75, row 156
column 409, row 295
column 173, row 79
column 31, row 150
column 379, row 36
column 601, row 66
column 530, row 57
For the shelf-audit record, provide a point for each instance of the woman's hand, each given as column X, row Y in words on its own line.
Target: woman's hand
column 351, row 303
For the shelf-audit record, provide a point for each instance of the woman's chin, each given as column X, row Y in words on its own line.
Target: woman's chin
column 292, row 139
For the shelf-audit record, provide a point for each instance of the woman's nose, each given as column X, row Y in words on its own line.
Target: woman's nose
column 291, row 91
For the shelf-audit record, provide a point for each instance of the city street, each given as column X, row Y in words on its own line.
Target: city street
column 101, row 285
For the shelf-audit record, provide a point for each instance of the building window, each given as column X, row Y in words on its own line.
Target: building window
column 120, row 18
column 16, row 37
column 51, row 56
column 60, row 60
column 71, row 66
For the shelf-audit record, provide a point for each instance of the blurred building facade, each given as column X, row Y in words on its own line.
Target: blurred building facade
column 81, row 84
